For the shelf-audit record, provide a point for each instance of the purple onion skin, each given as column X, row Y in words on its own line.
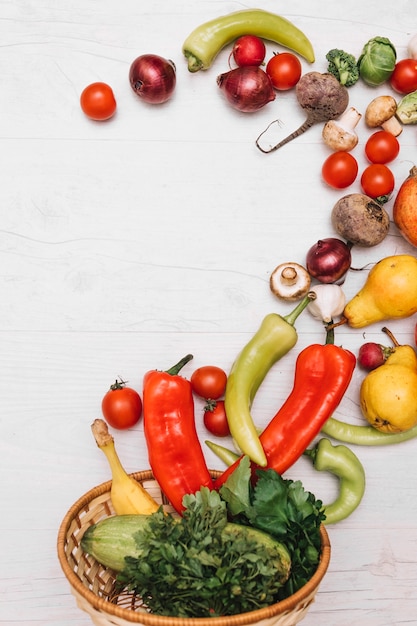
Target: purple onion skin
column 247, row 88
column 153, row 78
column 328, row 260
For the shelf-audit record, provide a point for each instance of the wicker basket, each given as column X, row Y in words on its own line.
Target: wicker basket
column 93, row 585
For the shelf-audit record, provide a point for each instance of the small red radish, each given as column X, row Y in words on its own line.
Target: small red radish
column 248, row 50
column 371, row 355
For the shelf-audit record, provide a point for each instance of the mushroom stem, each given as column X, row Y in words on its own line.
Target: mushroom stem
column 392, row 126
column 350, row 118
column 289, row 275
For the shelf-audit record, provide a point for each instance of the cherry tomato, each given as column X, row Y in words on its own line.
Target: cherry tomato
column 215, row 419
column 377, row 180
column 98, row 101
column 284, row 70
column 382, row 147
column 404, row 77
column 340, row 170
column 209, row 382
column 121, row 406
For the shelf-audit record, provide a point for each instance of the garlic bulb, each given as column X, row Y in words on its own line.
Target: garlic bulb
column 329, row 302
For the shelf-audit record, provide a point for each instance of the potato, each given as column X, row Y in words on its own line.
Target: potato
column 360, row 220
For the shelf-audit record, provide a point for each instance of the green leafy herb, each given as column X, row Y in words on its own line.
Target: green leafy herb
column 200, row 565
column 283, row 509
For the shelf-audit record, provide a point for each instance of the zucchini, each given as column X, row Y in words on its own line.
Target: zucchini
column 112, row 539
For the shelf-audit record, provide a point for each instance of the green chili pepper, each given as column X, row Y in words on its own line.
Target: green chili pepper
column 227, row 456
column 364, row 435
column 341, row 461
column 275, row 337
column 205, row 42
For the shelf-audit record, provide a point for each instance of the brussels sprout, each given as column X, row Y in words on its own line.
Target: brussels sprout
column 377, row 61
column 407, row 109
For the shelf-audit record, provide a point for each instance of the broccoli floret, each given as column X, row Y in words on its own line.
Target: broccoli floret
column 343, row 66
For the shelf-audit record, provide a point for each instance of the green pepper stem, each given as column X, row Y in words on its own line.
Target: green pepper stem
column 330, row 333
column 311, row 453
column 173, row 371
column 291, row 317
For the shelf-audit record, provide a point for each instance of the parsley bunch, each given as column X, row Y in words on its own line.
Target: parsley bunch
column 282, row 508
column 194, row 566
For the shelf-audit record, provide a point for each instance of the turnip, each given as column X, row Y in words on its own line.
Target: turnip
column 322, row 97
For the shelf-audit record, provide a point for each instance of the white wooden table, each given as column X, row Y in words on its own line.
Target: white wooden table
column 125, row 245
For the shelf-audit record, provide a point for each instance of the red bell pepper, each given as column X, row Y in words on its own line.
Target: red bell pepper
column 322, row 375
column 175, row 454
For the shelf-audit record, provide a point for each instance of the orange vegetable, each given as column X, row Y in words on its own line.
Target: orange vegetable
column 405, row 208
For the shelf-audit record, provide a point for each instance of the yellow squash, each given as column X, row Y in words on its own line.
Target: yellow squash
column 127, row 495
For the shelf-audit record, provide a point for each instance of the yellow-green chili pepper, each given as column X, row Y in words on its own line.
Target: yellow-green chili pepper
column 275, row 337
column 205, row 42
column 341, row 461
column 227, row 456
column 364, row 435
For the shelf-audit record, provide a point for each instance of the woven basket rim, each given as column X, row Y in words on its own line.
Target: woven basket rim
column 151, row 619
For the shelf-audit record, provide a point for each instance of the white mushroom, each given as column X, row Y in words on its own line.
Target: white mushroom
column 381, row 112
column 340, row 134
column 290, row 281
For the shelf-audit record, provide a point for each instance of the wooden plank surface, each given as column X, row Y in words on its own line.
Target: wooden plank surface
column 125, row 245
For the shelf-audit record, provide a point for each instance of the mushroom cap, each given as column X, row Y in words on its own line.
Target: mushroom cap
column 339, row 138
column 290, row 281
column 380, row 110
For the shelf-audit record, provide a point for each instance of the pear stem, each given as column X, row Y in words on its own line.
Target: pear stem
column 391, row 336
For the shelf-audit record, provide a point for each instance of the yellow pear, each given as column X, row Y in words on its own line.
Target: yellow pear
column 388, row 394
column 389, row 292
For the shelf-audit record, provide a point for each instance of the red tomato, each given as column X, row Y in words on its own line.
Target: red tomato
column 284, row 70
column 215, row 419
column 98, row 101
column 382, row 147
column 340, row 170
column 377, row 180
column 121, row 406
column 404, row 77
column 209, row 382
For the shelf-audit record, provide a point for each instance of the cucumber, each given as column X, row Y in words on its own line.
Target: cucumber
column 110, row 540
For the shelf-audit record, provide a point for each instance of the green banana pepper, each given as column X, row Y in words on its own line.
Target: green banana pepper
column 364, row 435
column 341, row 461
column 205, row 42
column 275, row 337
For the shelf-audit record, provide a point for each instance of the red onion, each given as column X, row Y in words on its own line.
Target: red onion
column 249, row 50
column 329, row 260
column 246, row 88
column 153, row 78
